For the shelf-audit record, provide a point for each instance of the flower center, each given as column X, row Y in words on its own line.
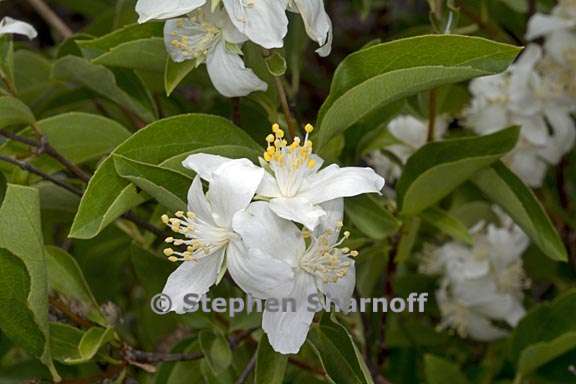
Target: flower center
column 200, row 38
column 455, row 316
column 325, row 260
column 200, row 238
column 512, row 279
column 290, row 163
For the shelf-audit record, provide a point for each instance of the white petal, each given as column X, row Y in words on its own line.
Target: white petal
column 232, row 188
column 287, row 331
column 480, row 328
column 192, row 277
column 165, row 9
column 334, row 212
column 333, row 182
column 341, row 291
column 264, row 22
column 297, row 209
column 204, row 165
column 317, row 22
column 229, row 74
column 261, row 229
column 10, row 25
column 257, row 273
column 269, row 186
column 541, row 25
column 197, row 202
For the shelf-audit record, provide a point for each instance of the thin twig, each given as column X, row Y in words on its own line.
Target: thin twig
column 69, row 313
column 51, row 18
column 236, row 117
column 29, row 168
column 248, row 370
column 292, row 128
column 307, row 367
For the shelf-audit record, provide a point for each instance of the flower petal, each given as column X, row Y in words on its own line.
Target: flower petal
column 297, row 209
column 192, row 277
column 229, row 74
column 204, row 165
column 541, row 25
column 13, row 26
column 261, row 229
column 232, row 188
column 167, row 9
column 264, row 22
column 257, row 273
column 287, row 330
column 334, row 212
column 333, row 182
column 197, row 202
column 317, row 23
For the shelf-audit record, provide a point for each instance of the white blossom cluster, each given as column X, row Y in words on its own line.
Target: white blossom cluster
column 537, row 93
column 213, row 31
column 411, row 134
column 480, row 284
column 275, row 228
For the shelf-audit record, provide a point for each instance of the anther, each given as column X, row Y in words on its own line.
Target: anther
column 308, row 128
column 168, row 251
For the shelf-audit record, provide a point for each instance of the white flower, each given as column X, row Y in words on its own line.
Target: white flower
column 209, row 37
column 537, row 95
column 294, row 184
column 559, row 31
column 316, row 21
column 9, row 25
column 322, row 268
column 480, row 283
column 210, row 244
column 165, row 9
column 263, row 21
column 411, row 134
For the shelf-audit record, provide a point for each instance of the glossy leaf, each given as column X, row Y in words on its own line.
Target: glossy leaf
column 504, row 188
column 447, row 224
column 370, row 217
column 13, row 112
column 270, row 365
column 438, row 168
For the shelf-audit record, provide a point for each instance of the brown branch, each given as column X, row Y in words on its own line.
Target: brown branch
column 248, row 370
column 61, row 306
column 292, row 126
column 29, row 168
column 236, row 117
column 51, row 18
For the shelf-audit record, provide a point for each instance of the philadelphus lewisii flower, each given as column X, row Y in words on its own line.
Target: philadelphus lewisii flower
column 559, row 32
column 537, row 95
column 321, row 268
column 210, row 37
column 9, row 25
column 411, row 134
column 294, row 183
column 267, row 255
column 482, row 283
column 209, row 243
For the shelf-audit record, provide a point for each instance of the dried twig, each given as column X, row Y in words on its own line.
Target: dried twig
column 51, row 18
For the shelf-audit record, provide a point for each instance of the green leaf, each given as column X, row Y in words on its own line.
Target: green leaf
column 504, row 188
column 370, row 78
column 6, row 58
column 167, row 186
column 441, row 371
column 100, row 80
column 408, row 237
column 216, row 350
column 79, row 137
column 66, row 277
column 145, row 54
column 95, row 47
column 14, row 112
column 108, row 195
column 537, row 355
column 21, row 236
column 270, row 365
column 438, row 168
column 447, row 224
column 174, row 73
column 370, row 217
column 72, row 346
column 336, row 350
column 543, row 326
